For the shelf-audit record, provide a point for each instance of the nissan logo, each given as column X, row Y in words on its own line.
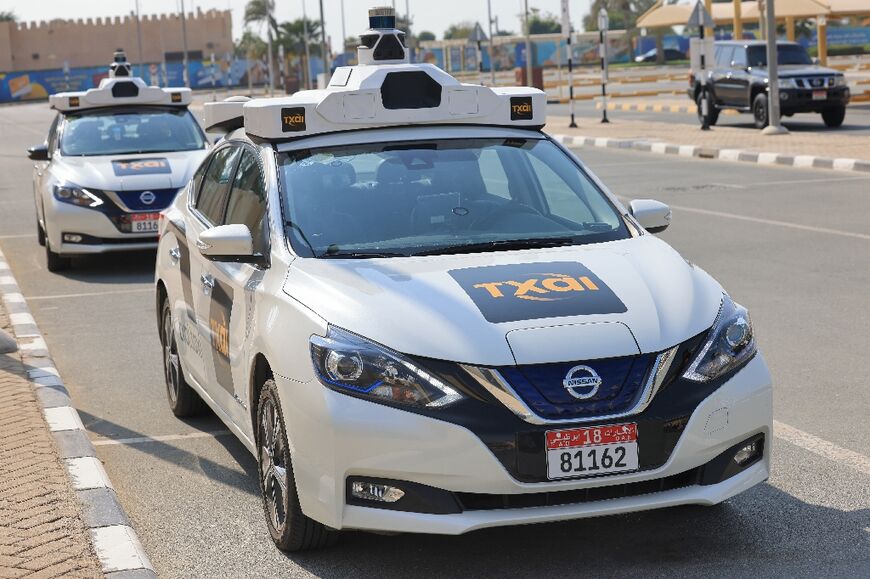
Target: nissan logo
column 582, row 382
column 147, row 197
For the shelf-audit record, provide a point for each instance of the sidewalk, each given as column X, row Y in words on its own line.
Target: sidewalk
column 59, row 514
column 799, row 149
column 42, row 531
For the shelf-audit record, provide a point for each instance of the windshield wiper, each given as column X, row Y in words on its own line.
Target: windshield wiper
column 349, row 254
column 499, row 245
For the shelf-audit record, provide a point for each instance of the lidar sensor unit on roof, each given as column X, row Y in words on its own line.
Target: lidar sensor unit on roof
column 382, row 43
column 120, row 66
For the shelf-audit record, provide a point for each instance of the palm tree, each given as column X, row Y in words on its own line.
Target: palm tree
column 262, row 12
column 292, row 36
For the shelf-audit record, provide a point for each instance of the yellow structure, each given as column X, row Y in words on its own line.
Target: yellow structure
column 47, row 45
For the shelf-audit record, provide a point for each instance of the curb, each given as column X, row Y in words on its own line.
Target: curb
column 117, row 546
column 799, row 161
column 656, row 108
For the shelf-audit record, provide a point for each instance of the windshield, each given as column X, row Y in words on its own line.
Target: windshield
column 441, row 196
column 785, row 54
column 131, row 131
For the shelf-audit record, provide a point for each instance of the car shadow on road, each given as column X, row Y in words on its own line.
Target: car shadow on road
column 113, row 268
column 167, row 451
column 761, row 524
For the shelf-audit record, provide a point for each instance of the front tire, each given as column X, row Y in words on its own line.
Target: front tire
column 183, row 400
column 290, row 529
column 55, row 262
column 834, row 117
column 712, row 110
column 760, row 112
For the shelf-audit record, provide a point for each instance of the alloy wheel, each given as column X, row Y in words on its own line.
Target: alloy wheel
column 273, row 467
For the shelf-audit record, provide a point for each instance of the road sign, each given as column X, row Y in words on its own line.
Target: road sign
column 603, row 19
column 566, row 18
column 477, row 35
column 700, row 17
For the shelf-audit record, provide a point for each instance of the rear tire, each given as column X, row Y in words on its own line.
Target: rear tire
column 834, row 117
column 760, row 112
column 290, row 529
column 712, row 110
column 55, row 262
column 183, row 400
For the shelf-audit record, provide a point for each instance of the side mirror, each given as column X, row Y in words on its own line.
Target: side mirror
column 654, row 216
column 38, row 152
column 227, row 243
column 815, row 60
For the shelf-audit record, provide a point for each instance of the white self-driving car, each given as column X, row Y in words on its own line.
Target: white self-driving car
column 422, row 314
column 115, row 156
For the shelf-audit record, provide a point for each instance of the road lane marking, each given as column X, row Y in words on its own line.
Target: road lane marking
column 90, row 294
column 771, row 222
column 803, row 181
column 165, row 438
column 823, row 448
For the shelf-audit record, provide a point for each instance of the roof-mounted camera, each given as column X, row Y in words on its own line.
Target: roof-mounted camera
column 120, row 66
column 382, row 43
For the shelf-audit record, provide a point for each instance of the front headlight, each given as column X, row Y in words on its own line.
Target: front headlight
column 729, row 344
column 76, row 196
column 787, row 83
column 348, row 363
column 840, row 80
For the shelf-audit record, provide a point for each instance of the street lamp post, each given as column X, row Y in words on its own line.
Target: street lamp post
column 603, row 25
column 529, row 81
column 566, row 31
column 139, row 41
column 184, row 73
column 307, row 74
column 774, row 126
column 491, row 49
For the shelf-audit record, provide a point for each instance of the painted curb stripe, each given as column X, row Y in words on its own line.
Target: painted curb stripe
column 117, row 546
column 763, row 158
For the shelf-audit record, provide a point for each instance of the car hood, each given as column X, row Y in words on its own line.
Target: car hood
column 586, row 302
column 129, row 172
column 795, row 70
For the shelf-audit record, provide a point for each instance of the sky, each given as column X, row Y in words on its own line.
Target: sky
column 433, row 15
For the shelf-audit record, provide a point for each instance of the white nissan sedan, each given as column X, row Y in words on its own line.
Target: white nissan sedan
column 421, row 314
column 115, row 156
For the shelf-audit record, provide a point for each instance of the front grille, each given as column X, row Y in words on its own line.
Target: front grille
column 134, row 201
column 815, row 82
column 487, row 502
column 542, row 388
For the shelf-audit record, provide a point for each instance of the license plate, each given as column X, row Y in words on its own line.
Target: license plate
column 820, row 95
column 591, row 451
column 144, row 222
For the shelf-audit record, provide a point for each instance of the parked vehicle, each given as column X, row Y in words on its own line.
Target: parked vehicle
column 670, row 54
column 739, row 80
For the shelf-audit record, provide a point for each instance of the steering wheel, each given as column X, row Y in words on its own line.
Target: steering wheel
column 507, row 209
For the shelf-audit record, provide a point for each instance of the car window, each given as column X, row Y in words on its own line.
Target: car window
column 51, row 140
column 724, row 56
column 739, row 57
column 211, row 200
column 413, row 197
column 785, row 54
column 247, row 201
column 122, row 130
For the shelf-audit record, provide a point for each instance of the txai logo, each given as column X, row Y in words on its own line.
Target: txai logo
column 544, row 287
column 220, row 335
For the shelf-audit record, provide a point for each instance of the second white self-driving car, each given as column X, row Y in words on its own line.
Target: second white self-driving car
column 115, row 156
column 422, row 314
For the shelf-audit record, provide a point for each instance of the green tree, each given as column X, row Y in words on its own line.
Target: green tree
column 262, row 12
column 291, row 35
column 623, row 13
column 7, row 16
column 543, row 23
column 250, row 45
column 459, row 30
column 504, row 33
column 425, row 35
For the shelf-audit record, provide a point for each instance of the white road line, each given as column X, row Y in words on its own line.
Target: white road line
column 90, row 294
column 165, row 438
column 803, row 181
column 823, row 448
column 771, row 222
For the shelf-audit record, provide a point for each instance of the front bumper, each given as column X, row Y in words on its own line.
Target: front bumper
column 98, row 233
column 799, row 100
column 333, row 437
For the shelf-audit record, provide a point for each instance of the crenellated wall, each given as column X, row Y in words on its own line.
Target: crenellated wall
column 90, row 42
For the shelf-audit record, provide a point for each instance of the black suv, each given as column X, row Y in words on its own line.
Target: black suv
column 739, row 80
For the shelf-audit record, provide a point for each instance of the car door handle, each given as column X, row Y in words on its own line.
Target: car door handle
column 174, row 255
column 207, row 281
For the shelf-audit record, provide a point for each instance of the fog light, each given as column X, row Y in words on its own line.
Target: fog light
column 748, row 453
column 72, row 238
column 375, row 492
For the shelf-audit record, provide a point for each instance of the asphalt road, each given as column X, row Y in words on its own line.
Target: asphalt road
column 792, row 245
column 857, row 116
